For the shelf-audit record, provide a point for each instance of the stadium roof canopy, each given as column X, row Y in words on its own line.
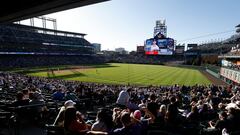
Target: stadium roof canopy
column 15, row 10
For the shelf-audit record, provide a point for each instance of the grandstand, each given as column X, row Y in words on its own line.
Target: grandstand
column 220, row 58
column 15, row 38
column 60, row 106
column 207, row 53
column 230, row 66
column 24, row 46
column 188, row 109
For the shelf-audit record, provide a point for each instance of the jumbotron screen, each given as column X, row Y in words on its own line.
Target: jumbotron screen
column 164, row 46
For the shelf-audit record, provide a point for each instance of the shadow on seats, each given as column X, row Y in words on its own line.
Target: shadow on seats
column 160, row 132
column 54, row 130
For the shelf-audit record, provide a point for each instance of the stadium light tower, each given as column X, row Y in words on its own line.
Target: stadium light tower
column 44, row 22
column 45, row 19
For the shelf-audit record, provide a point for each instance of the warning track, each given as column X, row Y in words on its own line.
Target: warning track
column 214, row 80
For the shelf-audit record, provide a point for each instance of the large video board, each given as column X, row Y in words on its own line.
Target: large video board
column 159, row 46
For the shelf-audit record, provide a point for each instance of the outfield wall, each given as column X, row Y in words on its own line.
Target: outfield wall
column 213, row 73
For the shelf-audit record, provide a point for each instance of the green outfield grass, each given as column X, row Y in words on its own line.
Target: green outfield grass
column 137, row 74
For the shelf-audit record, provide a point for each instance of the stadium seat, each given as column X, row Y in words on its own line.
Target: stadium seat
column 235, row 133
column 159, row 132
column 54, row 130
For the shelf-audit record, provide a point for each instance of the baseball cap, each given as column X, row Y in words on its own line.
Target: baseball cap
column 69, row 103
column 137, row 114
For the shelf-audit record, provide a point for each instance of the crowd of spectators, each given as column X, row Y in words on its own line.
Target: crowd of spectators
column 29, row 60
column 214, row 48
column 121, row 109
column 144, row 59
column 16, row 61
column 43, row 49
column 234, row 66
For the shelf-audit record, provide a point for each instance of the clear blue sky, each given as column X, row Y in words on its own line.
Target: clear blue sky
column 127, row 23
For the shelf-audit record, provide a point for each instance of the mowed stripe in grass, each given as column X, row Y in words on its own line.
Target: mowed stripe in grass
column 138, row 74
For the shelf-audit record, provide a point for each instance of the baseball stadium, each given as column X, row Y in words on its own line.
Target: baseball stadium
column 57, row 82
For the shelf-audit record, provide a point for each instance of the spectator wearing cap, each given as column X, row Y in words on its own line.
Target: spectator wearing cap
column 128, row 127
column 143, row 122
column 136, row 115
column 59, row 121
column 137, row 122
